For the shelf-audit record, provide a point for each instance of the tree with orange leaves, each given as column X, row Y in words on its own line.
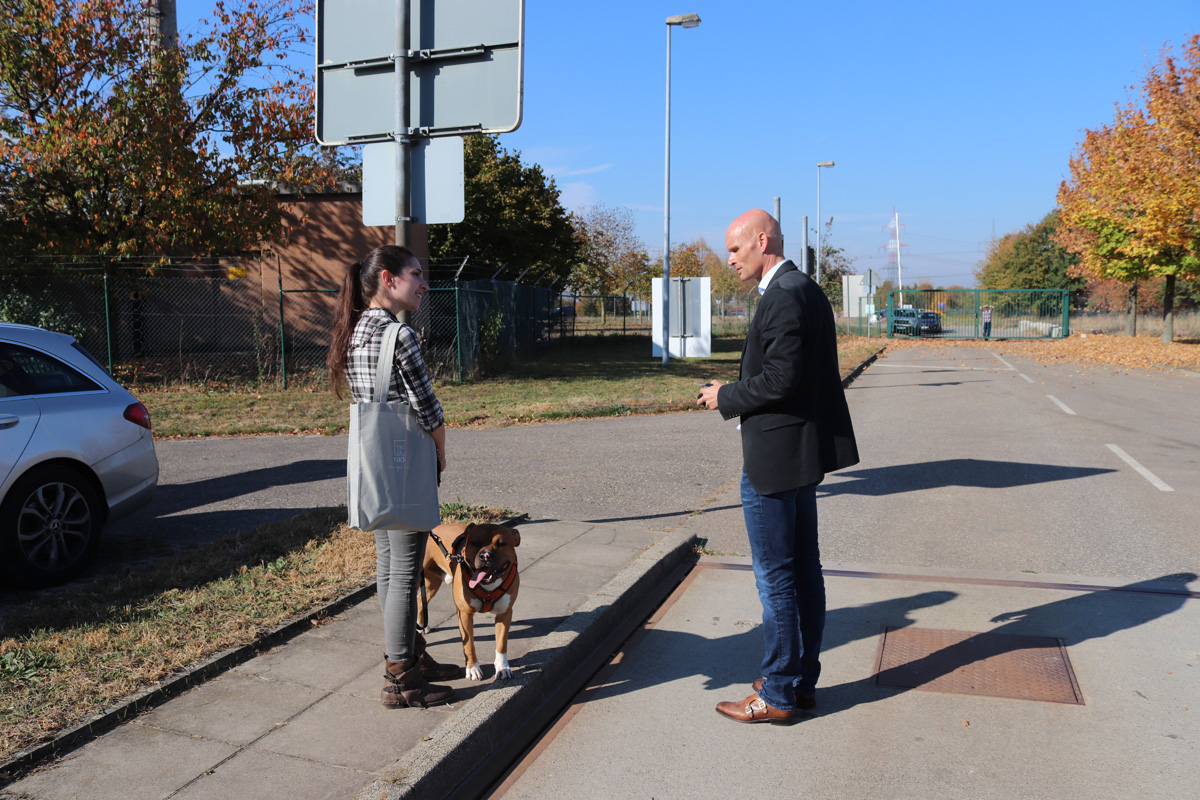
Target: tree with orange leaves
column 115, row 143
column 1131, row 206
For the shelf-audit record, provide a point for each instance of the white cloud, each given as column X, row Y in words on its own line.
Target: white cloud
column 578, row 194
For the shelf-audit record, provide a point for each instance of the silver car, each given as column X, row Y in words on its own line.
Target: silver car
column 75, row 452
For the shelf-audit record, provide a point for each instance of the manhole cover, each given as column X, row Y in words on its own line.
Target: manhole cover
column 991, row 664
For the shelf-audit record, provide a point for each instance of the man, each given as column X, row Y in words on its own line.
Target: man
column 795, row 428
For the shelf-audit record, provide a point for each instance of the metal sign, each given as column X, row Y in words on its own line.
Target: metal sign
column 466, row 58
column 437, row 192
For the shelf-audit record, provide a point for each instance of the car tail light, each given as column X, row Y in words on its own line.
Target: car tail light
column 138, row 415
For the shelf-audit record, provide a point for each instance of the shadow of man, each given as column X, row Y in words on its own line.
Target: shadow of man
column 1091, row 614
column 733, row 660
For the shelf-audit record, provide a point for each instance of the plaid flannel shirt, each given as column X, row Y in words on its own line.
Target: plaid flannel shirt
column 410, row 382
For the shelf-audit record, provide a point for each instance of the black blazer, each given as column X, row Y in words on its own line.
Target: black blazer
column 795, row 422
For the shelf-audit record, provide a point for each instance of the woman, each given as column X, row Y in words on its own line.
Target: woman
column 390, row 280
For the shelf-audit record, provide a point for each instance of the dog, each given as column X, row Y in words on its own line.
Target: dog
column 481, row 566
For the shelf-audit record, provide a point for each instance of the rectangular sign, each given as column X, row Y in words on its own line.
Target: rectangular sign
column 466, row 62
column 437, row 193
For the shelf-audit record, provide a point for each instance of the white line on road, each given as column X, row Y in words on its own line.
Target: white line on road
column 1002, row 361
column 1061, row 404
column 1026, row 377
column 931, row 367
column 1145, row 473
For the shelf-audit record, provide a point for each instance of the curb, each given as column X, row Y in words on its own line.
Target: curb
column 494, row 727
column 184, row 679
column 849, row 379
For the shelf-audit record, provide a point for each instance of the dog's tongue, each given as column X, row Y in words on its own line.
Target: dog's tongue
column 478, row 577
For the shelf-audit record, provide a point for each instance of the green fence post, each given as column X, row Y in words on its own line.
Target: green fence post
column 108, row 325
column 458, row 331
column 1065, row 298
column 282, row 333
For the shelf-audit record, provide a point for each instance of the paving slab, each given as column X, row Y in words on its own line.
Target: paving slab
column 647, row 726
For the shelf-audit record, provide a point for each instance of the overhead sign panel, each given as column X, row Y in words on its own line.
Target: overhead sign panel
column 466, row 60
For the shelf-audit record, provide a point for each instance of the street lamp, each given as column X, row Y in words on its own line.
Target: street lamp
column 683, row 21
column 820, row 223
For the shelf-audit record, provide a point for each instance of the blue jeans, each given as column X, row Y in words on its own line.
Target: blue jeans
column 787, row 571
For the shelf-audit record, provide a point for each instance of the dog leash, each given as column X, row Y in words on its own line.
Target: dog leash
column 453, row 558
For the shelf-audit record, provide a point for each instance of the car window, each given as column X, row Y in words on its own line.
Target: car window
column 24, row 371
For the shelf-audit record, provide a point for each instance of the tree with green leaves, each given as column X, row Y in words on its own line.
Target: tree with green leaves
column 1128, row 207
column 513, row 215
column 1031, row 259
column 115, row 143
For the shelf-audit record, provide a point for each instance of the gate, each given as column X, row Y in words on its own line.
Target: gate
column 978, row 313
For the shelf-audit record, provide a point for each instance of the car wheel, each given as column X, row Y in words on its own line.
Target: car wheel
column 49, row 526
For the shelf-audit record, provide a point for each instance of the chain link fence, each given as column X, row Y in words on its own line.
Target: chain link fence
column 230, row 320
column 630, row 315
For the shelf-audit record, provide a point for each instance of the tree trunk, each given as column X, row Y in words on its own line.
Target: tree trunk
column 1131, row 317
column 1168, row 332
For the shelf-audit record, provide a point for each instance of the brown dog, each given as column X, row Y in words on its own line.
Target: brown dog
column 482, row 567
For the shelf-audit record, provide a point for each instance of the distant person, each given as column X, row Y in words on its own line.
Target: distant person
column 390, row 280
column 987, row 321
column 795, row 428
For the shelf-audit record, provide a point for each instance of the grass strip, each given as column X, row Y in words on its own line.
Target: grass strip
column 71, row 652
column 586, row 377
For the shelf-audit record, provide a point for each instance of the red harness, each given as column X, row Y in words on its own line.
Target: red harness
column 486, row 596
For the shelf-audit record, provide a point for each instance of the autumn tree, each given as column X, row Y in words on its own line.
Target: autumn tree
column 111, row 144
column 1031, row 259
column 512, row 214
column 1130, row 207
column 612, row 258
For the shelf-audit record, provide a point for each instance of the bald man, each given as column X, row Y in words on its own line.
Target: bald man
column 795, row 428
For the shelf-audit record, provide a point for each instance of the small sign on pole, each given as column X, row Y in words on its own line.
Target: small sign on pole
column 437, row 191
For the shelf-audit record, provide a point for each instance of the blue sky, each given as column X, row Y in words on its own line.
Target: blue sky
column 961, row 116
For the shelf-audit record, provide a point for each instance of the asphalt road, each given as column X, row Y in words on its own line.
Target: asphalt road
column 969, row 460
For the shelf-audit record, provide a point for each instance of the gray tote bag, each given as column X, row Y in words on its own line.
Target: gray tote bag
column 391, row 470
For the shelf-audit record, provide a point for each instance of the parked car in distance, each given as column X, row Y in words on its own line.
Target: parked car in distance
column 904, row 321
column 929, row 322
column 75, row 452
column 562, row 312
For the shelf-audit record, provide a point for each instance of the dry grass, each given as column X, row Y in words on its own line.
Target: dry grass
column 68, row 653
column 1121, row 352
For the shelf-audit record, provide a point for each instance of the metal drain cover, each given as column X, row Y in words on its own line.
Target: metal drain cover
column 989, row 664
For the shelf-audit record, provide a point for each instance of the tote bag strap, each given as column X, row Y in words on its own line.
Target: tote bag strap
column 387, row 359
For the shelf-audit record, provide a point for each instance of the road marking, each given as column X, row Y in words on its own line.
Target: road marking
column 1026, row 377
column 1145, row 473
column 1061, row 405
column 1005, row 363
column 933, row 367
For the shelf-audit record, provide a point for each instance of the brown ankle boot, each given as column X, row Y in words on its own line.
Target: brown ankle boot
column 432, row 670
column 406, row 688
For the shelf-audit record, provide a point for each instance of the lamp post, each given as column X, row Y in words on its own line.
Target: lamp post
column 683, row 21
column 820, row 222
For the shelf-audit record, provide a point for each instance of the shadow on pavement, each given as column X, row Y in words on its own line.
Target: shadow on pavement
column 953, row 472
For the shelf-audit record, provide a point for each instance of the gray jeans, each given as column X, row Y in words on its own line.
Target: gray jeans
column 398, row 567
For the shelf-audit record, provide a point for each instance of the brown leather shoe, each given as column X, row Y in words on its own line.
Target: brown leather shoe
column 804, row 702
column 406, row 688
column 755, row 709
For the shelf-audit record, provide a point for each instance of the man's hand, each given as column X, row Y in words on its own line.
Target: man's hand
column 708, row 395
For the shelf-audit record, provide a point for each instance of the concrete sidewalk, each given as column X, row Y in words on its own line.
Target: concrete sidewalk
column 1128, row 727
column 303, row 719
